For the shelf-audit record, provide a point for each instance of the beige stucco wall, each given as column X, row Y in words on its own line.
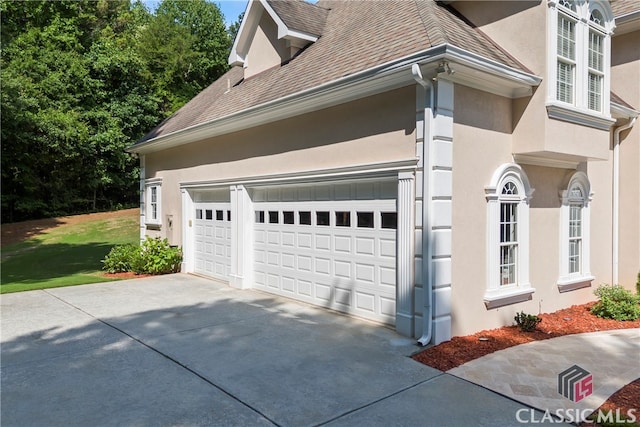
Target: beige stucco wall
column 373, row 130
column 266, row 50
column 482, row 142
column 625, row 82
column 500, row 19
column 477, row 152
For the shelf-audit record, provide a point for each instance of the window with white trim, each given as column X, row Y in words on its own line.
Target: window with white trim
column 153, row 204
column 574, row 234
column 508, row 198
column 579, row 61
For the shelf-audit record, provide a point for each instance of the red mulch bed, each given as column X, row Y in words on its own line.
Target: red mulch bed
column 573, row 320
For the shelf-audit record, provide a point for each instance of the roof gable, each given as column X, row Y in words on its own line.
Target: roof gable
column 298, row 23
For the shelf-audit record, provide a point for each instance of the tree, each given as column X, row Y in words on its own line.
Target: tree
column 81, row 81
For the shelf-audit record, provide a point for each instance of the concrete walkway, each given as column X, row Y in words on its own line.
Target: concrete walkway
column 181, row 350
column 529, row 373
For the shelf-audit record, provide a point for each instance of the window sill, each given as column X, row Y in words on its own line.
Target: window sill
column 153, row 225
column 499, row 298
column 569, row 113
column 573, row 283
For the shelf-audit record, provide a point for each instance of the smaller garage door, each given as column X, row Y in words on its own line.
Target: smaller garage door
column 213, row 236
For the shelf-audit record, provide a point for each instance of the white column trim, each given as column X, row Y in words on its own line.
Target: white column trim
column 405, row 253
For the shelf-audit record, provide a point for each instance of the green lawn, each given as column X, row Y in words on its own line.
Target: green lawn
column 67, row 255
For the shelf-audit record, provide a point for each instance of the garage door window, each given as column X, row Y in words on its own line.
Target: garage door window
column 260, row 217
column 198, row 213
column 389, row 220
column 365, row 219
column 288, row 217
column 343, row 219
column 322, row 218
column 219, row 215
column 305, row 218
column 273, row 217
column 209, row 214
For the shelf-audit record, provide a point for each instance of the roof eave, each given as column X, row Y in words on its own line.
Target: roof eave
column 471, row 70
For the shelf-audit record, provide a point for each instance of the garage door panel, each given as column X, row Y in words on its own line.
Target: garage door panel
column 342, row 269
column 388, row 277
column 304, row 240
column 305, row 288
column 323, row 242
column 323, row 266
column 288, row 261
column 323, row 292
column 342, row 244
column 304, row 263
column 365, row 246
column 288, row 238
column 342, row 296
column 387, row 248
column 288, row 284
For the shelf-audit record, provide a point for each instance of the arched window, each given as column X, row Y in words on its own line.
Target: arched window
column 575, row 234
column 579, row 61
column 508, row 198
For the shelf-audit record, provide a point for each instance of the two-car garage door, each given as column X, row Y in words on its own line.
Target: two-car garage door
column 332, row 245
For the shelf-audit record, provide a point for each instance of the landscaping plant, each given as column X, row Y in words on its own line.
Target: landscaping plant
column 527, row 322
column 616, row 302
column 153, row 256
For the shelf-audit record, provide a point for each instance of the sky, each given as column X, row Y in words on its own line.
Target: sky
column 229, row 8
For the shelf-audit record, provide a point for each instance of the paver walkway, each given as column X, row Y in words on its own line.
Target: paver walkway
column 528, row 373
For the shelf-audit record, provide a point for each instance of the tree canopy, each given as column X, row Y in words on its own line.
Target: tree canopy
column 84, row 79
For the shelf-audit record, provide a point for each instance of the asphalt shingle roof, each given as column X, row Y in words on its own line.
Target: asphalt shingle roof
column 356, row 36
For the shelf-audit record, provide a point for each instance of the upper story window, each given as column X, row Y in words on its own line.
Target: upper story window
column 579, row 61
column 508, row 198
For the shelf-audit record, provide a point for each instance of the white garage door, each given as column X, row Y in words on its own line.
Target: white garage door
column 213, row 235
column 332, row 245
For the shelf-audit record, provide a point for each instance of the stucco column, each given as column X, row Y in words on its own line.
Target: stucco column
column 405, row 254
column 188, row 239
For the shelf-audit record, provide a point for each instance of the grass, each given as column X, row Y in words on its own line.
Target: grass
column 65, row 256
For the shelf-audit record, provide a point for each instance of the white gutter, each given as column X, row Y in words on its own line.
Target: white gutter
column 427, row 311
column 616, row 197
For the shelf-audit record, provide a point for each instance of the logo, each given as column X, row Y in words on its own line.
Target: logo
column 575, row 383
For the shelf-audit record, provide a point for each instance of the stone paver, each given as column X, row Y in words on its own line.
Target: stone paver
column 528, row 373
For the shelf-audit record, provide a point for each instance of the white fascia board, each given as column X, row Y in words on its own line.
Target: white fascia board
column 481, row 73
column 247, row 28
column 284, row 32
column 382, row 78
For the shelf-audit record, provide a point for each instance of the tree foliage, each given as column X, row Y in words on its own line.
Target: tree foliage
column 84, row 79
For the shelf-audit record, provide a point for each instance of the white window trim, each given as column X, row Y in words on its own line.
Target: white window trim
column 571, row 281
column 154, row 223
column 495, row 294
column 579, row 112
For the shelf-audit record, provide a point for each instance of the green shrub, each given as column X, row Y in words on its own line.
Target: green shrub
column 159, row 257
column 527, row 322
column 153, row 256
column 616, row 302
column 121, row 258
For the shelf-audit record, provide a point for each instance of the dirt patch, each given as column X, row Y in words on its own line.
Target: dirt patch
column 125, row 275
column 573, row 320
column 19, row 231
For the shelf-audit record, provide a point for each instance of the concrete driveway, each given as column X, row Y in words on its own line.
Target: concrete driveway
column 182, row 350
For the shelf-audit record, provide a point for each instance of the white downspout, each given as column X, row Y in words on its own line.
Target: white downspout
column 616, row 198
column 427, row 322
